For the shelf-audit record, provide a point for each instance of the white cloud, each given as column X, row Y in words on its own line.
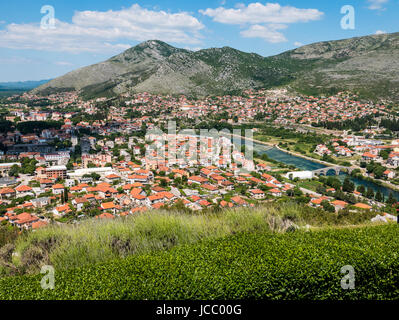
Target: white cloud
column 380, row 32
column 257, row 13
column 376, row 4
column 298, row 44
column 110, row 31
column 268, row 33
column 264, row 20
column 63, row 63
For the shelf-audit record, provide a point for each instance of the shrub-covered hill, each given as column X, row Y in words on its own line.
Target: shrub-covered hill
column 365, row 65
column 297, row 265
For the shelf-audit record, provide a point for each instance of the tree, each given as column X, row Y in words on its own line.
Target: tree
column 297, row 192
column 95, row 176
column 361, row 189
column 333, row 182
column 321, row 189
column 327, row 206
column 348, row 186
column 370, row 193
column 378, row 196
column 385, row 153
column 65, row 195
column 391, row 200
column 379, row 172
column 14, row 171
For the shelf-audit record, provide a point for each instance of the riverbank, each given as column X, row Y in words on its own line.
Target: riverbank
column 382, row 186
column 325, row 163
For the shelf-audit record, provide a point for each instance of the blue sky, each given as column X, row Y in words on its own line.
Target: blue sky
column 90, row 31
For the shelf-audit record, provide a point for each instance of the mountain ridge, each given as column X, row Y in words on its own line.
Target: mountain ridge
column 368, row 65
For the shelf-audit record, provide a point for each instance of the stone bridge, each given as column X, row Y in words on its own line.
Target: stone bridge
column 336, row 169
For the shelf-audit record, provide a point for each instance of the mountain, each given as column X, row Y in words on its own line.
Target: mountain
column 368, row 65
column 157, row 67
column 22, row 85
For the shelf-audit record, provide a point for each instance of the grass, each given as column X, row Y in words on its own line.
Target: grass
column 98, row 241
column 309, row 184
column 300, row 265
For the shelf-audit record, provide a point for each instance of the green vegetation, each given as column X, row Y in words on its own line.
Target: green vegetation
column 299, row 265
column 97, row 241
column 37, row 126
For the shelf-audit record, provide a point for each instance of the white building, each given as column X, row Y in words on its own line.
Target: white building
column 300, row 175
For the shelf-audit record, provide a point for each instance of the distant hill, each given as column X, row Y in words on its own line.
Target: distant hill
column 21, row 85
column 367, row 65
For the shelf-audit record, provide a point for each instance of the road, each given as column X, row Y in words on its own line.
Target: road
column 310, row 192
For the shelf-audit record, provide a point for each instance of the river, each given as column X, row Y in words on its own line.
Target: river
column 308, row 165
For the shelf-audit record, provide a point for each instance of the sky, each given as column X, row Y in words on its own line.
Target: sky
column 44, row 39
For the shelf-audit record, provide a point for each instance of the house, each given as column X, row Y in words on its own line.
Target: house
column 39, row 224
column 112, row 177
column 204, row 203
column 276, row 192
column 62, row 210
column 7, row 193
column 210, row 188
column 343, row 151
column 219, row 179
column 153, row 199
column 367, row 156
column 393, row 159
column 389, row 174
column 138, row 196
column 225, row 204
column 123, row 200
column 78, row 203
column 316, row 202
column 263, row 167
column 58, row 188
column 105, row 215
column 104, row 190
column 339, row 205
column 24, row 220
column 362, row 206
column 45, row 183
column 109, row 206
column 197, row 180
column 24, row 190
column 228, row 185
column 139, row 178
column 40, row 202
column 257, row 194
column 322, row 149
column 237, row 200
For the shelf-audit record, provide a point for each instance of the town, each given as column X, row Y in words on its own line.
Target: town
column 64, row 159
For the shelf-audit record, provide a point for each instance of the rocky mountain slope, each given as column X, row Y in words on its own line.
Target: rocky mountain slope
column 368, row 65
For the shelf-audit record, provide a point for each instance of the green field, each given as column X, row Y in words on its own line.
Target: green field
column 298, row 265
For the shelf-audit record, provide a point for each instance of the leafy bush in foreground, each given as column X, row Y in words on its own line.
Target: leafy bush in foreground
column 299, row 265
